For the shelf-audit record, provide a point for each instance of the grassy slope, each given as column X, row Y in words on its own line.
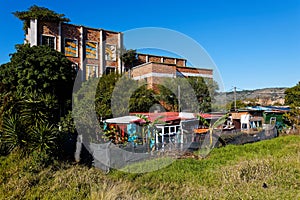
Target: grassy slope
column 233, row 172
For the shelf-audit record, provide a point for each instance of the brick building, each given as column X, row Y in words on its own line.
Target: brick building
column 95, row 52
column 154, row 68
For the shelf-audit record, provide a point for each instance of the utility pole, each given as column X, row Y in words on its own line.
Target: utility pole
column 234, row 98
column 179, row 102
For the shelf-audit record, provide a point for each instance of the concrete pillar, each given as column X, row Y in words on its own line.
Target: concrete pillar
column 81, row 53
column 102, row 54
column 120, row 47
column 33, row 32
column 59, row 37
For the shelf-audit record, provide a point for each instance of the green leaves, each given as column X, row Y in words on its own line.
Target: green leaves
column 292, row 99
column 142, row 100
column 129, row 57
column 14, row 135
column 44, row 137
column 30, row 126
column 293, row 95
column 185, row 93
column 41, row 13
column 40, row 69
column 35, row 92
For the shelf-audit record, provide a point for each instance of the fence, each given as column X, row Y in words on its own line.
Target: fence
column 109, row 155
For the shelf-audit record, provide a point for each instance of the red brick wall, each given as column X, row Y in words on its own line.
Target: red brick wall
column 142, row 58
column 154, row 58
column 160, row 59
column 169, row 60
column 111, row 38
column 153, row 68
column 194, row 70
column 48, row 28
column 92, row 35
column 166, row 69
column 180, row 62
column 142, row 70
column 71, row 32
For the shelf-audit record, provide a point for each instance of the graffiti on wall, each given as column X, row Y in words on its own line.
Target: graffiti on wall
column 110, row 52
column 71, row 47
column 91, row 50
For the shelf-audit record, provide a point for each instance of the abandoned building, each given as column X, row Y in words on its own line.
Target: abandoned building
column 95, row 52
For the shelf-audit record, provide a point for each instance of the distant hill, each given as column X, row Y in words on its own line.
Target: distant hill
column 265, row 96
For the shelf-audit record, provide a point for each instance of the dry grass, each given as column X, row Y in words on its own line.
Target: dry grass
column 264, row 170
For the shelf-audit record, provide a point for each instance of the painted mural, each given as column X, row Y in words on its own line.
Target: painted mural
column 91, row 50
column 110, row 52
column 71, row 48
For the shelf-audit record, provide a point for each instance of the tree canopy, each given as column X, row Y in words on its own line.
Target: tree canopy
column 38, row 69
column 292, row 95
column 41, row 13
column 292, row 99
column 35, row 92
column 129, row 58
column 178, row 94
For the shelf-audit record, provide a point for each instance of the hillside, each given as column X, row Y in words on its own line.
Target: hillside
column 265, row 96
column 268, row 169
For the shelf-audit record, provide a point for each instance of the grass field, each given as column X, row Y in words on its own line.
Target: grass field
column 264, row 170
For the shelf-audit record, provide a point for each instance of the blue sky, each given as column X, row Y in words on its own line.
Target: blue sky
column 254, row 43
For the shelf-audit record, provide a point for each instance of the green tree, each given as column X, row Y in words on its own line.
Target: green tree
column 142, row 100
column 39, row 70
column 35, row 92
column 40, row 13
column 114, row 94
column 105, row 88
column 202, row 92
column 129, row 58
column 292, row 95
column 292, row 99
column 185, row 93
column 239, row 104
column 167, row 98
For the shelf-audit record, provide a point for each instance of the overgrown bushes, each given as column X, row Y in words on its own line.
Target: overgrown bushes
column 35, row 93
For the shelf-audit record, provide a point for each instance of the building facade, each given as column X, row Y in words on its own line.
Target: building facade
column 153, row 69
column 94, row 51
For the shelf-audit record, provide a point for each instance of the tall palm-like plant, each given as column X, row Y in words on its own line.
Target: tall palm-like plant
column 44, row 137
column 28, row 124
column 216, row 124
column 14, row 134
column 149, row 126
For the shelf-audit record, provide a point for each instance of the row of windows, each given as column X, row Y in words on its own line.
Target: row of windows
column 91, row 48
column 92, row 71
